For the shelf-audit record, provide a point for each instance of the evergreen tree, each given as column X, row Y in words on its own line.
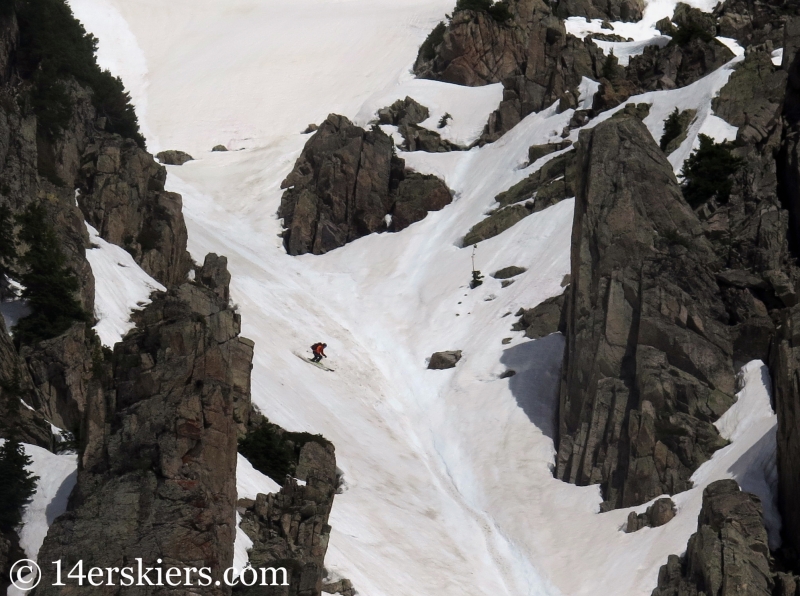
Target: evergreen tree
column 53, row 48
column 50, row 286
column 708, row 171
column 611, row 67
column 672, row 129
column 18, row 484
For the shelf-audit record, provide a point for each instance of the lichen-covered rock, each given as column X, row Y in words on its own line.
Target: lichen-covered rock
column 444, row 360
column 645, row 324
column 345, row 183
column 157, row 474
column 728, row 555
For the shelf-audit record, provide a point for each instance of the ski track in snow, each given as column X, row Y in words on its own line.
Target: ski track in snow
column 449, row 482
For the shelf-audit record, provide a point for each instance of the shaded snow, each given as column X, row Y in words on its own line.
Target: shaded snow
column 121, row 286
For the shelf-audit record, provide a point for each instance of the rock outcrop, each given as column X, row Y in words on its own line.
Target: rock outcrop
column 550, row 184
column 348, row 183
column 648, row 364
column 122, row 195
column 290, row 529
column 532, row 55
column 156, row 474
column 728, row 555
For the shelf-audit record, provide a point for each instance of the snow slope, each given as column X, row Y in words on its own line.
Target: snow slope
column 448, row 473
column 121, row 286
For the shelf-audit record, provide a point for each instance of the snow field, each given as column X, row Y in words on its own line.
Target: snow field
column 450, row 489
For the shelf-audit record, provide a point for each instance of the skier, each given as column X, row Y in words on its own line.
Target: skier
column 318, row 349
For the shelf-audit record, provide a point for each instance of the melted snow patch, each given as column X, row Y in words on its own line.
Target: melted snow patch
column 121, row 286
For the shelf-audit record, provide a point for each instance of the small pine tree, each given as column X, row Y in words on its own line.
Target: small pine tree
column 708, row 172
column 672, row 129
column 18, row 484
column 610, row 69
column 444, row 120
column 50, row 286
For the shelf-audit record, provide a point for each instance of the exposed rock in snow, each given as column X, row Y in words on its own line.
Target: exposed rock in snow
column 658, row 514
column 173, row 157
column 507, row 272
column 444, row 360
column 543, row 319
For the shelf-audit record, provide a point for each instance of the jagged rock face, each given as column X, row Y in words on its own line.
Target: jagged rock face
column 157, row 471
column 345, row 183
column 27, row 424
column 754, row 23
column 675, row 66
column 61, row 370
column 532, row 55
column 785, row 370
column 614, row 10
column 122, row 195
column 728, row 555
column 290, row 528
column 648, row 362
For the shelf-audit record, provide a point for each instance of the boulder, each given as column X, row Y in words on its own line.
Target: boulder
column 658, row 514
column 611, row 10
column 497, row 223
column 543, row 319
column 219, row 148
column 444, row 360
column 173, row 157
column 403, row 112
